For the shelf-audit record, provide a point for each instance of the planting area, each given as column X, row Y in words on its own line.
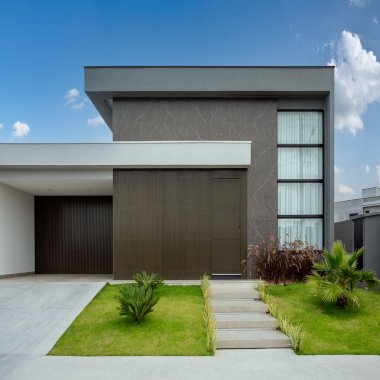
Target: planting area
column 175, row 327
column 328, row 328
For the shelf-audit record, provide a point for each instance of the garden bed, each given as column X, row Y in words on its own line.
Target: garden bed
column 327, row 328
column 175, row 327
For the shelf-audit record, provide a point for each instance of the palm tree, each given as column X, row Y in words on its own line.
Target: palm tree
column 336, row 275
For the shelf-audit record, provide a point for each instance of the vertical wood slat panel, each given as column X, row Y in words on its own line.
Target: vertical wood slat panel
column 73, row 234
column 163, row 222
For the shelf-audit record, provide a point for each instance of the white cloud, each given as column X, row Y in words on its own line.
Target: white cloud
column 77, row 106
column 20, row 129
column 375, row 20
column 295, row 33
column 367, row 168
column 72, row 95
column 1, row 126
column 72, row 99
column 96, row 121
column 337, row 170
column 357, row 82
column 358, row 3
column 345, row 190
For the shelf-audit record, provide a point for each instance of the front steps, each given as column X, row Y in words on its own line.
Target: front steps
column 242, row 319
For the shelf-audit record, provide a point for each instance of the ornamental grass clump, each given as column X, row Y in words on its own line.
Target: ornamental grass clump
column 137, row 300
column 337, row 275
column 208, row 315
column 293, row 331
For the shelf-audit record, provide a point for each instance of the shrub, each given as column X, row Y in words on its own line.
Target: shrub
column 291, row 262
column 146, row 281
column 136, row 301
column 208, row 315
column 336, row 276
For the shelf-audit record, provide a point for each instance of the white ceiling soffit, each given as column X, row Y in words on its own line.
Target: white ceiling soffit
column 59, row 182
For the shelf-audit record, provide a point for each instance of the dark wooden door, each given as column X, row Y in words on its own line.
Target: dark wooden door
column 186, row 224
column 226, row 225
column 73, row 234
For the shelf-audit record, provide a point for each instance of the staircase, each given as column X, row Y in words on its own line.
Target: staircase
column 242, row 319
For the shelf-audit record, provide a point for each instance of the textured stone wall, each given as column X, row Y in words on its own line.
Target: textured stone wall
column 214, row 119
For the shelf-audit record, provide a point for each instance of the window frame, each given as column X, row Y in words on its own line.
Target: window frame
column 307, row 216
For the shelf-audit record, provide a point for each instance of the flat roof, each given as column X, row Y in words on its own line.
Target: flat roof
column 105, row 83
column 366, row 215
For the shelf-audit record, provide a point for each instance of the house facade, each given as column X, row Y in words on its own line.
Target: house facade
column 203, row 161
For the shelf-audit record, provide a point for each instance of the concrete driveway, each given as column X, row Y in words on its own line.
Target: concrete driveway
column 34, row 315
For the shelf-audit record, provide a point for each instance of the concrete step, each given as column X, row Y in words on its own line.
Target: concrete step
column 251, row 338
column 238, row 306
column 233, row 285
column 234, row 294
column 245, row 321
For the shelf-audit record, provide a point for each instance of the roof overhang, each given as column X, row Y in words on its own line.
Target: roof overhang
column 136, row 154
column 86, row 169
column 103, row 84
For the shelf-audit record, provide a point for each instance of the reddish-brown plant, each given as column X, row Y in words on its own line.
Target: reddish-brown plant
column 274, row 263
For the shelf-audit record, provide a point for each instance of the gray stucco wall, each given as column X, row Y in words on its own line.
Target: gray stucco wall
column 344, row 231
column 214, row 119
column 371, row 242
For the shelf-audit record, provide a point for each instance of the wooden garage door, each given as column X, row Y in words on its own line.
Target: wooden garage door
column 179, row 223
column 73, row 234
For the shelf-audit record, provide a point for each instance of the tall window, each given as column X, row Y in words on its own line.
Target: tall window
column 300, row 176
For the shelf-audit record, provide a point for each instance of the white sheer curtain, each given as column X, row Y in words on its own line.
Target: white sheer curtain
column 300, row 163
column 299, row 127
column 307, row 230
column 300, row 198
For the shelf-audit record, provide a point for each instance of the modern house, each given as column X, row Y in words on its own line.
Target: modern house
column 367, row 204
column 203, row 160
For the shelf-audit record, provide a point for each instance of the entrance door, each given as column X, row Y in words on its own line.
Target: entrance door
column 226, row 226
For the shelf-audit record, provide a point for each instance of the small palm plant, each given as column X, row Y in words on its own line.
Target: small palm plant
column 336, row 276
column 136, row 301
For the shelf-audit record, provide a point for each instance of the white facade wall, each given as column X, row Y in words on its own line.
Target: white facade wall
column 16, row 231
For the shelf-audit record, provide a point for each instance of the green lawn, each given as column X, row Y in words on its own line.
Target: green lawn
column 175, row 327
column 329, row 329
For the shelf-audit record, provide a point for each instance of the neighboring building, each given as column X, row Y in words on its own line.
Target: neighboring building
column 204, row 160
column 362, row 231
column 369, row 203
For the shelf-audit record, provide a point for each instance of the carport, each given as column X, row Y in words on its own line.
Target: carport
column 61, row 205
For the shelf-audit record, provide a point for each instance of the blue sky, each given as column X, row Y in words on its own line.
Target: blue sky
column 45, row 44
